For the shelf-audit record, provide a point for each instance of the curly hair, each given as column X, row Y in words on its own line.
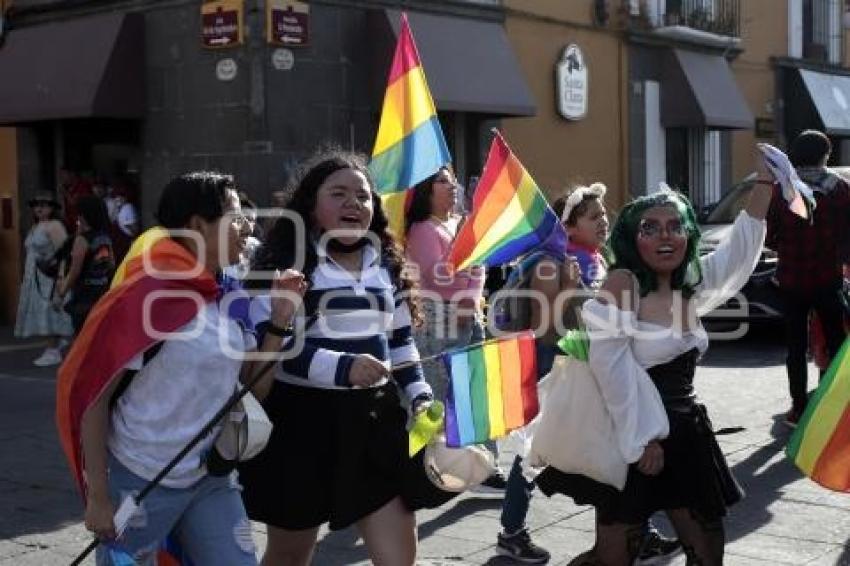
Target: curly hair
column 278, row 251
column 623, row 248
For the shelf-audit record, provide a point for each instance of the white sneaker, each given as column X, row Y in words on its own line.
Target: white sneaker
column 50, row 357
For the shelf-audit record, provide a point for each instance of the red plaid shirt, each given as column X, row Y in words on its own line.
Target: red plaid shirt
column 811, row 254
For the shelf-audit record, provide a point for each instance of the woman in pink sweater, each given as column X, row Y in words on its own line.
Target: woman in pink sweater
column 451, row 302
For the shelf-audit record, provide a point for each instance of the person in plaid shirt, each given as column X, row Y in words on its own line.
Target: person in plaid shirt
column 811, row 256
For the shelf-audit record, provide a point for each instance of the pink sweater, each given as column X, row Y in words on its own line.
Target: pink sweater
column 428, row 245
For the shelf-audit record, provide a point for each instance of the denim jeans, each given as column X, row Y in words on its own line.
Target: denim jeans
column 207, row 519
column 518, row 490
column 517, row 499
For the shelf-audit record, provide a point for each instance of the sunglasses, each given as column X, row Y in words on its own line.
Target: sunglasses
column 38, row 203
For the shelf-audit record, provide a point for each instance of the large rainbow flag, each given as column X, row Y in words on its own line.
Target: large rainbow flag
column 410, row 145
column 510, row 216
column 492, row 389
column 820, row 446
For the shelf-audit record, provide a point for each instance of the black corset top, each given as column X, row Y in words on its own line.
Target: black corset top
column 675, row 379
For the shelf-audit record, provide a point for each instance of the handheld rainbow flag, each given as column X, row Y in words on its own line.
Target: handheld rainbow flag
column 492, row 389
column 820, row 446
column 410, row 145
column 509, row 216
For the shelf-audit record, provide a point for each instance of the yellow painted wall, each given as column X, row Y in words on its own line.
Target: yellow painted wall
column 10, row 240
column 557, row 152
column 764, row 33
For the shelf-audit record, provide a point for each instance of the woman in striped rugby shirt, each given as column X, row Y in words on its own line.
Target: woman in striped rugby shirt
column 339, row 443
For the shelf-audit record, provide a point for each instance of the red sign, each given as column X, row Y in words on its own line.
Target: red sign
column 221, row 24
column 288, row 23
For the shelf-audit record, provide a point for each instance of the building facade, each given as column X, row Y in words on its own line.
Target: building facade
column 127, row 89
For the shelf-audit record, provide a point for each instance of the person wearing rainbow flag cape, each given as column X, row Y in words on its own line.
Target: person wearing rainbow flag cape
column 124, row 414
column 644, row 341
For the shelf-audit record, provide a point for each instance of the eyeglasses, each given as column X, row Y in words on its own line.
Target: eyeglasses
column 652, row 229
column 238, row 219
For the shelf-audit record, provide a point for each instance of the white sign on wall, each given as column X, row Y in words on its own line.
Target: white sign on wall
column 571, row 84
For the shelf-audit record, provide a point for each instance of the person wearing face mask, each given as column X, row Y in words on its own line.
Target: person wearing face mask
column 645, row 339
column 339, row 444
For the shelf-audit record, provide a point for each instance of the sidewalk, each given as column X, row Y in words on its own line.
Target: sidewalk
column 785, row 519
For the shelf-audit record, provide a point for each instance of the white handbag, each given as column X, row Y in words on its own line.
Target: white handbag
column 245, row 431
column 575, row 433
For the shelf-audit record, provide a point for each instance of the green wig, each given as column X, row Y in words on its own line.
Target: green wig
column 623, row 249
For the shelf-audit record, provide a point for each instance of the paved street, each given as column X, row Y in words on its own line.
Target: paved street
column 784, row 520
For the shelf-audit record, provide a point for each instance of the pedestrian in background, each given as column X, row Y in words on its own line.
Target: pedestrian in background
column 37, row 315
column 92, row 261
column 338, row 449
column 451, row 302
column 811, row 253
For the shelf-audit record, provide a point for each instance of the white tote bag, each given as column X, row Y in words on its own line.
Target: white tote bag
column 575, row 433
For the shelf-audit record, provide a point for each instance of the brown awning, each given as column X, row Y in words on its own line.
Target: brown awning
column 469, row 64
column 80, row 68
column 699, row 91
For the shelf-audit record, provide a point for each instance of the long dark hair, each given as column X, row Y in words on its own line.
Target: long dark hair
column 93, row 211
column 420, row 204
column 278, row 251
column 623, row 243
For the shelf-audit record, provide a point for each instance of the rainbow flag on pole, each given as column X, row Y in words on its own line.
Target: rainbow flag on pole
column 820, row 446
column 492, row 389
column 410, row 145
column 510, row 216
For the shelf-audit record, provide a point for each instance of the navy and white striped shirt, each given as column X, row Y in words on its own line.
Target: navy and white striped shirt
column 355, row 316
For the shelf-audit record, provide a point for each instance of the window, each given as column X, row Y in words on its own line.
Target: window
column 693, row 164
column 821, row 30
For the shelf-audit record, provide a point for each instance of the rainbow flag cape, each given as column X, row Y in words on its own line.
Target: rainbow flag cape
column 114, row 333
column 510, row 216
column 410, row 146
column 492, row 389
column 820, row 446
column 140, row 245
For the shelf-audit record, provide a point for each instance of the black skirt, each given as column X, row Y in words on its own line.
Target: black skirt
column 334, row 456
column 695, row 476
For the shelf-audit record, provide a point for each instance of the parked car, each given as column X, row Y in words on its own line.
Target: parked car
column 759, row 299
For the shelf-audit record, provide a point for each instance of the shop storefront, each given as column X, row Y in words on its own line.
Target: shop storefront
column 684, row 105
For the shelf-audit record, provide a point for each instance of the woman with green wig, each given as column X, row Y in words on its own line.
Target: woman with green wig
column 645, row 340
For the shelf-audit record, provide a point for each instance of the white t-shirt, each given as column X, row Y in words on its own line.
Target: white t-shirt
column 174, row 395
column 127, row 216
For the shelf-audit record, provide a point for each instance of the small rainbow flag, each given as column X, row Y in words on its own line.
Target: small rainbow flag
column 492, row 389
column 410, row 145
column 509, row 216
column 820, row 446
